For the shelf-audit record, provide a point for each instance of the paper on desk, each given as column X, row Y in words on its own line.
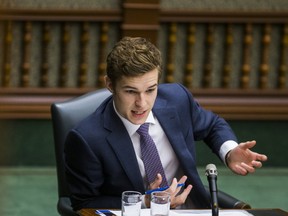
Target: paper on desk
column 146, row 212
column 208, row 213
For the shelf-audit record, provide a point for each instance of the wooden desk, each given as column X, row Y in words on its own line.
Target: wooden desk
column 256, row 212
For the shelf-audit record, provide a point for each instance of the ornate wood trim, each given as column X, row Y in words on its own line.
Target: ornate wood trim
column 232, row 105
column 111, row 15
column 201, row 16
column 245, row 103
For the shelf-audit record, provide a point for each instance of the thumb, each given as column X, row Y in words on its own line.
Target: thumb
column 248, row 144
column 156, row 183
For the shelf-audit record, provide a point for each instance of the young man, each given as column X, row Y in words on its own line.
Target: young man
column 103, row 152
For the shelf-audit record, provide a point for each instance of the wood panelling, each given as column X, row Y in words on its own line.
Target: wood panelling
column 141, row 19
column 252, row 85
column 233, row 105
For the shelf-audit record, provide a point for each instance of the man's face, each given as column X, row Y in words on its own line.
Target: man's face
column 134, row 97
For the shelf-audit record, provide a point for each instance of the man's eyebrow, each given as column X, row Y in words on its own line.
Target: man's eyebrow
column 127, row 86
column 131, row 87
column 153, row 86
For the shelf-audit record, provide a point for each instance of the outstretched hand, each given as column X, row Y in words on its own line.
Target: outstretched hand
column 241, row 160
column 178, row 196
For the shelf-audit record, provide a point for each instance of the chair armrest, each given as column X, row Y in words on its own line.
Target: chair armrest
column 227, row 201
column 64, row 207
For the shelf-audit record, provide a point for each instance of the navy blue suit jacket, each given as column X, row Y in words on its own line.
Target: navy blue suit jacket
column 100, row 158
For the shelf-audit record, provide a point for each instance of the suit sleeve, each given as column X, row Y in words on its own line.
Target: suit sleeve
column 208, row 126
column 84, row 175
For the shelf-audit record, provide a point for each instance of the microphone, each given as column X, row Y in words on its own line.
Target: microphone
column 211, row 173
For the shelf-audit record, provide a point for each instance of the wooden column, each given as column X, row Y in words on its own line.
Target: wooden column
column 6, row 55
column 141, row 19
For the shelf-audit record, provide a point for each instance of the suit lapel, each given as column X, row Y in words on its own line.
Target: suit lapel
column 121, row 143
column 171, row 124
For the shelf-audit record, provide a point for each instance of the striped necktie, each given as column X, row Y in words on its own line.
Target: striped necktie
column 150, row 156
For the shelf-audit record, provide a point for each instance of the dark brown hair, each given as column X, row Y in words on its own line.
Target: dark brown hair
column 132, row 57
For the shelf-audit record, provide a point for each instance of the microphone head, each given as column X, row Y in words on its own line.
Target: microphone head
column 211, row 170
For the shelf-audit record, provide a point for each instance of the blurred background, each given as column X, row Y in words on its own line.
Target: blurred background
column 232, row 55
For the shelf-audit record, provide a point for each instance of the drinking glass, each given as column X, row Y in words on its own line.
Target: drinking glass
column 131, row 203
column 160, row 203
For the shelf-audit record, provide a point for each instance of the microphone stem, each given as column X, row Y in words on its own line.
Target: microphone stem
column 215, row 209
column 211, row 173
column 214, row 195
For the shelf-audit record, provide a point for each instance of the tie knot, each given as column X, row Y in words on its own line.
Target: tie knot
column 143, row 129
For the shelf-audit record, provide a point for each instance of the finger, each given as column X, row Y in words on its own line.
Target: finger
column 182, row 179
column 249, row 169
column 240, row 170
column 174, row 184
column 187, row 190
column 156, row 183
column 159, row 177
column 181, row 198
column 256, row 164
column 261, row 157
column 173, row 187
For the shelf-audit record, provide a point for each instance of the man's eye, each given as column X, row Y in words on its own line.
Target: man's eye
column 130, row 92
column 150, row 90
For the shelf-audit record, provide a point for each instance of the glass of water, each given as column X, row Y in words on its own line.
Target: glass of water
column 131, row 203
column 160, row 203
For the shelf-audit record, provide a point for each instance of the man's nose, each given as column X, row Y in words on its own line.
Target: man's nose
column 140, row 100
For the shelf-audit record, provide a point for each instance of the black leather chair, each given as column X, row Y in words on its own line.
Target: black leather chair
column 68, row 113
column 64, row 116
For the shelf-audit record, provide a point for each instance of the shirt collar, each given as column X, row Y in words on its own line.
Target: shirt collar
column 130, row 127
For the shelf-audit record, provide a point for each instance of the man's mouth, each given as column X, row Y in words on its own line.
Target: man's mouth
column 139, row 113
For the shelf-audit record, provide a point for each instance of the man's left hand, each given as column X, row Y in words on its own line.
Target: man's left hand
column 241, row 160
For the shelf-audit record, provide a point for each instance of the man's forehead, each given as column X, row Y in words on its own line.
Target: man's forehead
column 139, row 82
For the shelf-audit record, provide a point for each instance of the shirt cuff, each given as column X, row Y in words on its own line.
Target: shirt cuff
column 225, row 148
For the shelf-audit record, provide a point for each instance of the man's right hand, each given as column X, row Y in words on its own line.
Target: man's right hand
column 177, row 198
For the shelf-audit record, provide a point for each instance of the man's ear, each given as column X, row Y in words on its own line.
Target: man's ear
column 108, row 83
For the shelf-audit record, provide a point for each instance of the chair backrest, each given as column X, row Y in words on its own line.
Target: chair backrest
column 65, row 115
